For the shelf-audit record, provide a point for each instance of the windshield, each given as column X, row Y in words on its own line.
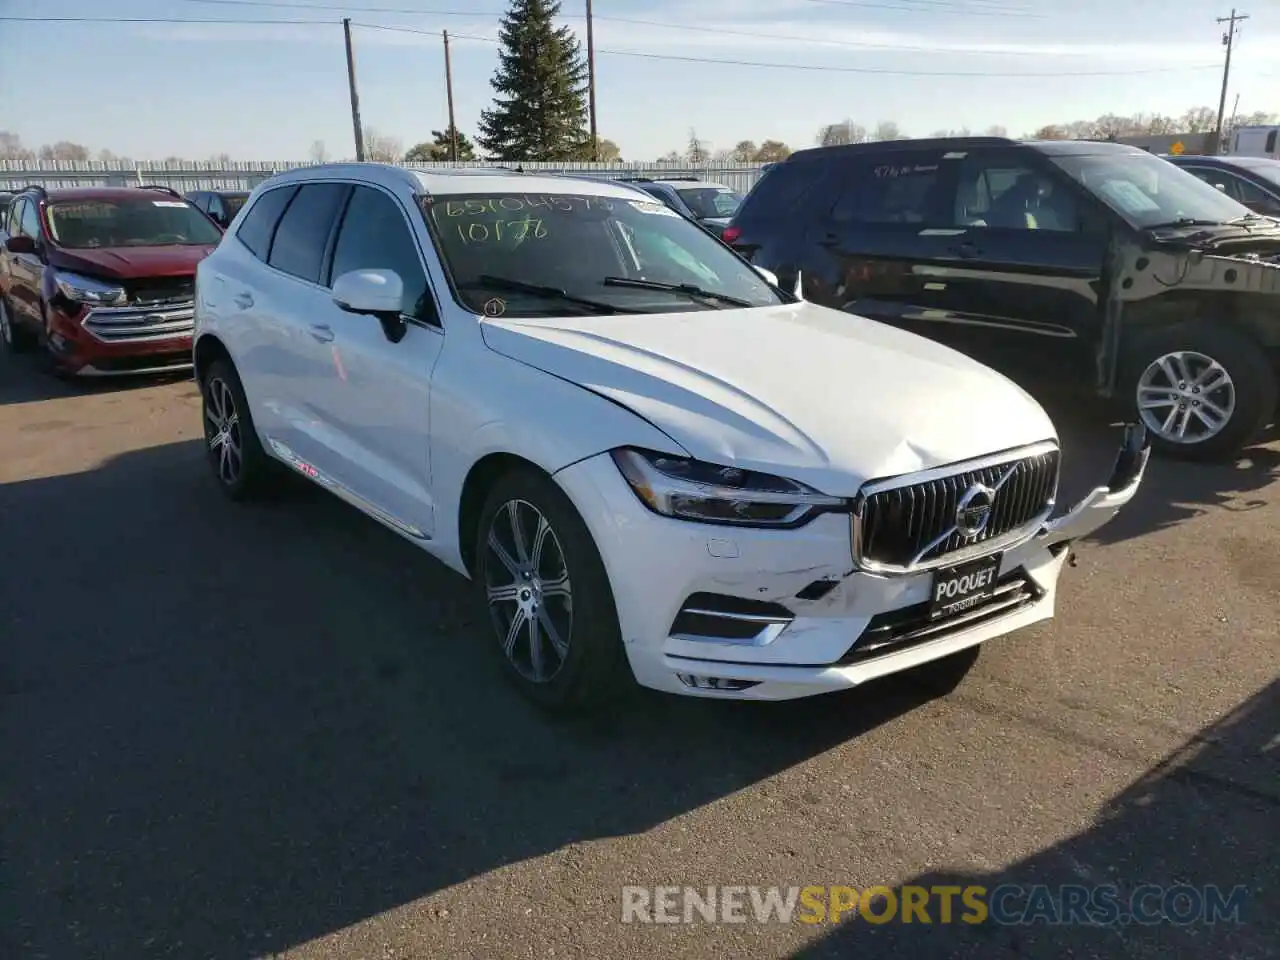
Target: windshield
column 1268, row 170
column 540, row 255
column 1150, row 192
column 708, row 202
column 145, row 222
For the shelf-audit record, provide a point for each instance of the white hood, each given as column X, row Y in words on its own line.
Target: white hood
column 826, row 398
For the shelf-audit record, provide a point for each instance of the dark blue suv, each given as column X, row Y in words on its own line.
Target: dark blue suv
column 710, row 205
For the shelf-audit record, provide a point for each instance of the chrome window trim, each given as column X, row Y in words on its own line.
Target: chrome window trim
column 995, row 545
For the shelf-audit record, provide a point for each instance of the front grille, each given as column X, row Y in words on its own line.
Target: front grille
column 908, row 525
column 133, row 325
column 157, row 291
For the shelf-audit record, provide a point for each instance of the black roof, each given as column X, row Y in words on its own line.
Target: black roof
column 1053, row 147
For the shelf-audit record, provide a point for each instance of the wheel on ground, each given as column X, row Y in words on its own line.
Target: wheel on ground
column 15, row 337
column 941, row 677
column 548, row 596
column 1203, row 391
column 239, row 464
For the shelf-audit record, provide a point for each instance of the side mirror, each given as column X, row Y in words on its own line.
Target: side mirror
column 770, row 277
column 378, row 293
column 20, row 244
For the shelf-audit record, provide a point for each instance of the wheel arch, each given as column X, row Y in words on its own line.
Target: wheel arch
column 480, row 479
column 208, row 348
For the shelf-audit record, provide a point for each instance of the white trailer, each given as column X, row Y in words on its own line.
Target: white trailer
column 1259, row 141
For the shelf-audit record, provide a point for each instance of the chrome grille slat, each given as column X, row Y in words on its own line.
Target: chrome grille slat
column 899, row 519
column 134, row 324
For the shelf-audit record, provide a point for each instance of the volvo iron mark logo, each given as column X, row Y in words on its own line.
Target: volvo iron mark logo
column 974, row 510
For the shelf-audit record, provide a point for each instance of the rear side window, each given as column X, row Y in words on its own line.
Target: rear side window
column 782, row 189
column 14, row 219
column 896, row 188
column 260, row 225
column 303, row 234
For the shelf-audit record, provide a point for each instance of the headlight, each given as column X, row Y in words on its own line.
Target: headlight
column 709, row 493
column 90, row 291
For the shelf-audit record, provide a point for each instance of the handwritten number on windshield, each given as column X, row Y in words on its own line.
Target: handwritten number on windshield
column 518, row 230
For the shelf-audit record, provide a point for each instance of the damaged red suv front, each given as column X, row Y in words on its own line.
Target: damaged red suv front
column 103, row 279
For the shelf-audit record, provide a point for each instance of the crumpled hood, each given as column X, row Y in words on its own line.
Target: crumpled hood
column 824, row 397
column 131, row 263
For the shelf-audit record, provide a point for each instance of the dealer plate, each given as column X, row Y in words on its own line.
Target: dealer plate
column 962, row 587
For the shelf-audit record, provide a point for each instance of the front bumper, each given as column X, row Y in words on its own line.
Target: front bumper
column 120, row 342
column 842, row 626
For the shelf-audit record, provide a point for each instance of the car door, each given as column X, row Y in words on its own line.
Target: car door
column 26, row 269
column 1024, row 257
column 370, row 396
column 877, row 231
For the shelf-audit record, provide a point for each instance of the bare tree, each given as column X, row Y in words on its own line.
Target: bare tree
column 318, row 153
column 744, row 151
column 698, row 150
column 381, row 149
column 837, row 134
column 1052, row 131
column 997, row 130
column 11, row 147
column 221, row 159
column 671, row 156
column 1199, row 120
column 887, row 130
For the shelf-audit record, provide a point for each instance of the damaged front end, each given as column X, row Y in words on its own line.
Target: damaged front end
column 1104, row 502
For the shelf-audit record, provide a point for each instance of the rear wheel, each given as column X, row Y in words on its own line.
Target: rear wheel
column 239, row 464
column 1203, row 391
column 548, row 595
column 15, row 337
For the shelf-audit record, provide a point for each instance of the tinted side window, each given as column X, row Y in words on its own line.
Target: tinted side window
column 198, row 199
column 13, row 221
column 31, row 220
column 303, row 234
column 214, row 206
column 260, row 225
column 1008, row 193
column 782, row 190
column 375, row 236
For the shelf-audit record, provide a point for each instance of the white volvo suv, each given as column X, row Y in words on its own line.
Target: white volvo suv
column 648, row 457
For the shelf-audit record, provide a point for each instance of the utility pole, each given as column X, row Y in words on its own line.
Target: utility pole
column 1228, row 41
column 448, row 83
column 591, row 85
column 355, row 97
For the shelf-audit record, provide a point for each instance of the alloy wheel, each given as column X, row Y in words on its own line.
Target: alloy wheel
column 222, row 430
column 529, row 594
column 1186, row 397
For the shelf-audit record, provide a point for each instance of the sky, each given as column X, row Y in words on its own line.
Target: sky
column 268, row 91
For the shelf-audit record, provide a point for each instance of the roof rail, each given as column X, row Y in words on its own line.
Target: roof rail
column 634, row 179
column 163, row 189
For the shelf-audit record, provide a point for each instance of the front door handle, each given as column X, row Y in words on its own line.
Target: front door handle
column 244, row 300
column 322, row 332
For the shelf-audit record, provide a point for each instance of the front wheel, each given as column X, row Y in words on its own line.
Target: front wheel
column 239, row 464
column 1203, row 391
column 15, row 337
column 555, row 626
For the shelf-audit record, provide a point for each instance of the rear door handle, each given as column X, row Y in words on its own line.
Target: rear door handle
column 244, row 300
column 321, row 332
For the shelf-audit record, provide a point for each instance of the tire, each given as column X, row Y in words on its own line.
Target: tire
column 15, row 337
column 585, row 667
column 1194, row 352
column 239, row 465
column 52, row 363
column 942, row 676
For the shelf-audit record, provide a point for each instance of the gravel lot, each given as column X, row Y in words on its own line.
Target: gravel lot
column 272, row 730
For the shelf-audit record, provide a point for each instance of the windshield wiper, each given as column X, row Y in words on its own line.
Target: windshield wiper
column 1187, row 222
column 545, row 292
column 1250, row 218
column 688, row 289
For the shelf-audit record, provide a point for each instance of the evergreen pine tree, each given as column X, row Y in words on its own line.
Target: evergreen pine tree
column 540, row 110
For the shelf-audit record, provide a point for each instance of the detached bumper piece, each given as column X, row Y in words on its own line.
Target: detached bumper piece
column 1103, row 503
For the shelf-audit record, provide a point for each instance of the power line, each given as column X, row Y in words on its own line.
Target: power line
column 941, row 6
column 670, row 57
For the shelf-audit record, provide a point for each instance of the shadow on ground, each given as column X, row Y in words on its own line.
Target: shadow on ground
column 237, row 729
column 1207, row 815
column 24, row 380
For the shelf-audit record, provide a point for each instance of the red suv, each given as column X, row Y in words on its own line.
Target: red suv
column 102, row 278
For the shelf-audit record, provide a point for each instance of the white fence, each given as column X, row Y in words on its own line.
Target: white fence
column 243, row 175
